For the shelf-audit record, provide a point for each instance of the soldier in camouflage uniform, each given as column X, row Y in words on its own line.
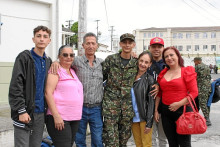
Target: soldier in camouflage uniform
column 204, row 86
column 119, row 70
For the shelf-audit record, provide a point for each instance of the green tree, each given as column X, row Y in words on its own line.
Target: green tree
column 74, row 38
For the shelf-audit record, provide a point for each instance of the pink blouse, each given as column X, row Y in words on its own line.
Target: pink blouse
column 68, row 96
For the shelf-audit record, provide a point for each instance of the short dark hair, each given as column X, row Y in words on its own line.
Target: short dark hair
column 181, row 61
column 43, row 28
column 90, row 34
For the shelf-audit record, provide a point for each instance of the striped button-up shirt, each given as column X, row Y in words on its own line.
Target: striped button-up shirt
column 91, row 78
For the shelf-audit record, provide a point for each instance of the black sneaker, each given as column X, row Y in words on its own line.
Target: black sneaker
column 208, row 122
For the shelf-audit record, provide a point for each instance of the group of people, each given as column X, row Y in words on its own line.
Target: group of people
column 143, row 96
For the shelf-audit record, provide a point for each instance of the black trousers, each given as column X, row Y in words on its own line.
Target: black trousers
column 65, row 137
column 168, row 121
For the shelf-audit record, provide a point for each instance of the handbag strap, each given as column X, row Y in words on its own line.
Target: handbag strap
column 190, row 102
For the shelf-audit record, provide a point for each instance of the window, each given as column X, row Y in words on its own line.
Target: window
column 180, row 35
column 153, row 34
column 174, row 35
column 144, row 35
column 149, row 35
column 196, row 47
column 205, row 47
column 205, row 35
column 157, row 34
column 161, row 34
column 196, row 35
column 188, row 35
column 213, row 35
column 213, row 47
column 188, row 48
column 180, row 48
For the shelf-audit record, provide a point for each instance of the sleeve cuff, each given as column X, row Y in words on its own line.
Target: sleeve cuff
column 21, row 111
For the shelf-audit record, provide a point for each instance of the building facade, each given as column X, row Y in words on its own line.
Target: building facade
column 190, row 41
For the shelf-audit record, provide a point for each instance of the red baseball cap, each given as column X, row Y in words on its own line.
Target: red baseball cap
column 156, row 40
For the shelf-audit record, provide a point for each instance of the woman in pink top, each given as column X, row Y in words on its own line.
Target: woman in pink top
column 64, row 96
column 176, row 84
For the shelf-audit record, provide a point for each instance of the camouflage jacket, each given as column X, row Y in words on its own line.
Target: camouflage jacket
column 119, row 78
column 203, row 77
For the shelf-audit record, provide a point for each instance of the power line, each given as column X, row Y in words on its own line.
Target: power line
column 106, row 13
column 198, row 11
column 203, row 8
column 211, row 5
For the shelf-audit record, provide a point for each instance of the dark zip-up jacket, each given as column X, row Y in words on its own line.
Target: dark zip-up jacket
column 22, row 87
column 145, row 102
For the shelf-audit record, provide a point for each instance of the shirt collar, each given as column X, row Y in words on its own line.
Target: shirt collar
column 36, row 55
column 86, row 60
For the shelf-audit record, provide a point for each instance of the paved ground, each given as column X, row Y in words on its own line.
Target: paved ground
column 209, row 139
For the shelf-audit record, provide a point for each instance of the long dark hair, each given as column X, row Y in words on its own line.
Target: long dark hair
column 180, row 59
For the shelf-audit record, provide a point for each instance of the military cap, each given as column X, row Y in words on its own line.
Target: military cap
column 127, row 36
column 197, row 59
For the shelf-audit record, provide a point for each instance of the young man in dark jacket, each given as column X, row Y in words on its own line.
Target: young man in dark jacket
column 26, row 91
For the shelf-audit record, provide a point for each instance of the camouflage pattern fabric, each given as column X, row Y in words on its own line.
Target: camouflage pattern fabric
column 204, row 86
column 117, row 105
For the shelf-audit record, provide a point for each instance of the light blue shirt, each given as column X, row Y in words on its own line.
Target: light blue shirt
column 136, row 118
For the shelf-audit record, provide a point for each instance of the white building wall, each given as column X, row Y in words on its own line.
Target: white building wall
column 19, row 18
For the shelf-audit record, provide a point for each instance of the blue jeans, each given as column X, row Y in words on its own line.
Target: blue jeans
column 92, row 116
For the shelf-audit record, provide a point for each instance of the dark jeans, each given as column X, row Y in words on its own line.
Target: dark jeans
column 168, row 120
column 92, row 116
column 65, row 137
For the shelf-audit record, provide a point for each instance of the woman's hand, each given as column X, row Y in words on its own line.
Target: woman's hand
column 174, row 106
column 59, row 123
column 155, row 91
column 147, row 130
column 54, row 67
column 156, row 116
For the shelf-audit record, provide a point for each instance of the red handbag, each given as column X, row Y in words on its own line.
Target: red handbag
column 191, row 122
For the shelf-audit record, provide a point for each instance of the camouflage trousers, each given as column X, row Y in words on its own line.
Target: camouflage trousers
column 117, row 124
column 203, row 98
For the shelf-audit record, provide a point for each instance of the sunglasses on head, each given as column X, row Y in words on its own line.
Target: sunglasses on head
column 66, row 55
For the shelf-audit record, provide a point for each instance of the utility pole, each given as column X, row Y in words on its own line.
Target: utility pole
column 111, row 35
column 82, row 25
column 97, row 29
column 69, row 23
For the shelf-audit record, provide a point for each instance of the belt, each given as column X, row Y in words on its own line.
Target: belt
column 91, row 105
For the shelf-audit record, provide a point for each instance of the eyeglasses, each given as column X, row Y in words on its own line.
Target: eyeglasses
column 67, row 55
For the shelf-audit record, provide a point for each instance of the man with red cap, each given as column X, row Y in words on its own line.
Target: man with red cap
column 156, row 49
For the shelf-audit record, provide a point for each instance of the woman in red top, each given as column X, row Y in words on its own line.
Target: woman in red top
column 176, row 83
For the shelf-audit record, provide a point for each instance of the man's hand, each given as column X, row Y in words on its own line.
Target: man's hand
column 25, row 118
column 147, row 130
column 155, row 91
column 54, row 67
